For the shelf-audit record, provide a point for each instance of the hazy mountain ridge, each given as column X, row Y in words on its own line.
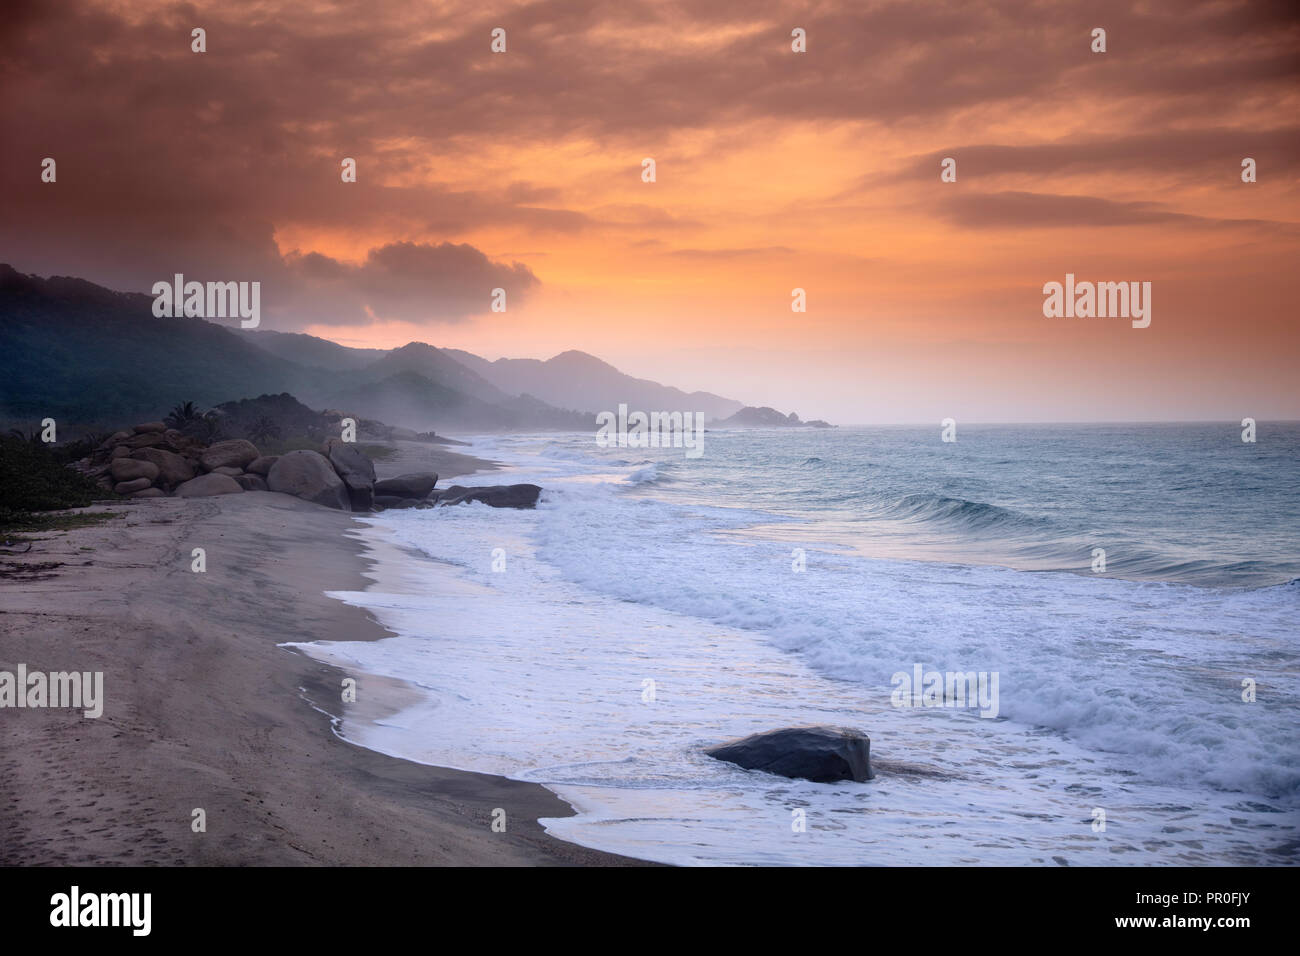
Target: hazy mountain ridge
column 578, row 380
column 304, row 349
column 87, row 355
column 437, row 366
column 78, row 352
column 392, row 399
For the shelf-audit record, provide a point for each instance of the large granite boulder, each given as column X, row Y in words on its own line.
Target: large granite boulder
column 149, row 427
column 129, row 469
column 252, row 482
column 233, row 453
column 407, row 486
column 172, row 468
column 821, row 754
column 145, row 440
column 498, row 496
column 149, row 493
column 205, row 486
column 357, row 471
column 262, row 466
column 135, row 484
column 308, row 475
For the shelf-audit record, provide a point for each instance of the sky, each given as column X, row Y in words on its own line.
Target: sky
column 774, row 170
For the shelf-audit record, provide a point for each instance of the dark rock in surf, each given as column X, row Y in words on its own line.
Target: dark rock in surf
column 407, row 486
column 392, row 501
column 357, row 471
column 820, row 754
column 497, row 496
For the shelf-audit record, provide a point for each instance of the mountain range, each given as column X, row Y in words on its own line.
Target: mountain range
column 83, row 354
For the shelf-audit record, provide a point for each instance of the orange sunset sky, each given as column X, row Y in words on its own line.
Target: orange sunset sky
column 775, row 170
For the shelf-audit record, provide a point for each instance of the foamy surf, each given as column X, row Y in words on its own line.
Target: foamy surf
column 1118, row 696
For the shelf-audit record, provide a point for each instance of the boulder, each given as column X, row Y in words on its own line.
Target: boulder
column 129, row 469
column 149, row 427
column 145, row 440
column 407, row 486
column 387, row 501
column 206, row 485
column 182, row 444
column 360, row 499
column 116, row 437
column 233, row 453
column 262, row 466
column 357, row 471
column 149, row 493
column 308, row 475
column 820, row 754
column 498, row 496
column 228, row 471
column 121, row 451
column 135, row 484
column 172, row 468
column 252, row 482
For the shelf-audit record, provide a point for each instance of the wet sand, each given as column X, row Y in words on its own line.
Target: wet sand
column 203, row 710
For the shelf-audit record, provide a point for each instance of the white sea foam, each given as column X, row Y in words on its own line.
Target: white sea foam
column 1116, row 695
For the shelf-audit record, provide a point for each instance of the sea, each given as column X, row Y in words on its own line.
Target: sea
column 1129, row 594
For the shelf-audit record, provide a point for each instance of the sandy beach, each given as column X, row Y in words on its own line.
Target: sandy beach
column 204, row 710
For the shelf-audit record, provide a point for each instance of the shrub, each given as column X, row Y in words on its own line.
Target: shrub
column 33, row 479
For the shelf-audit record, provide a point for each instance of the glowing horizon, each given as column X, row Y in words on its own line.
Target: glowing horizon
column 775, row 170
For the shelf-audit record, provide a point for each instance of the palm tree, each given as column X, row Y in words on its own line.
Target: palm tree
column 32, row 437
column 182, row 416
column 207, row 428
column 263, row 430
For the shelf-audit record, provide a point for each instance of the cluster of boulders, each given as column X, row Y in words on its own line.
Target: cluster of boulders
column 152, row 460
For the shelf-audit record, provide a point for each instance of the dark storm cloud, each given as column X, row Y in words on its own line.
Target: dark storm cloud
column 406, row 281
column 174, row 161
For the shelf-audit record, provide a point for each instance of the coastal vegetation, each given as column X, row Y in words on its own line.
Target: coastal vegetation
column 34, row 478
